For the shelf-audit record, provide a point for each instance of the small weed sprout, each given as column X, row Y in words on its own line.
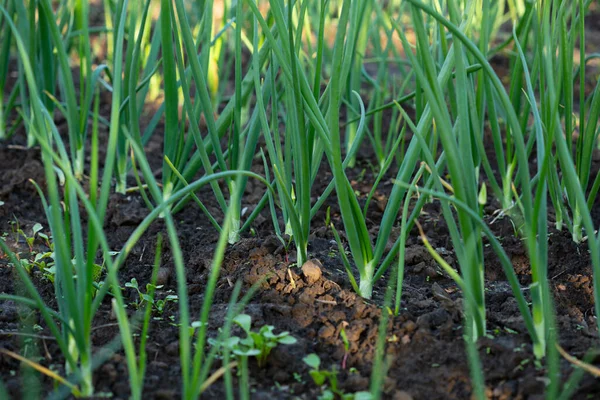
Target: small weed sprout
column 148, row 298
column 329, row 377
column 258, row 344
column 346, row 343
column 30, row 239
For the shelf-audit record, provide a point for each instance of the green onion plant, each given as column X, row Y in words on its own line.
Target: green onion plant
column 75, row 261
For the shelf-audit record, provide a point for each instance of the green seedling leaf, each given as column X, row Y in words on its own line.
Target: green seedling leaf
column 132, row 284
column 482, row 198
column 250, row 342
column 327, row 395
column 26, row 265
column 345, row 339
column 258, row 344
column 230, row 343
column 160, row 306
column 50, row 272
column 267, row 332
column 246, row 352
column 318, row 377
column 244, row 321
column 193, row 326
column 312, row 360
column 97, row 272
column 36, row 228
column 287, row 339
column 147, row 298
column 150, row 287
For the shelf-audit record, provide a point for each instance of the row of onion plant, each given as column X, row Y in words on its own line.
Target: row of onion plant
column 80, row 290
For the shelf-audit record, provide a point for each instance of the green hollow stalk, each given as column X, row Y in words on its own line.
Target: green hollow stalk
column 134, row 34
column 180, row 160
column 64, row 226
column 64, row 287
column 358, row 236
column 538, row 250
column 403, row 235
column 4, row 63
column 588, row 128
column 466, row 117
column 199, row 76
column 172, row 136
column 361, row 18
column 96, row 227
column 530, row 224
column 294, row 160
column 275, row 153
column 134, row 108
column 301, row 147
column 243, row 140
column 454, row 138
column 358, row 239
column 66, row 83
column 85, row 75
column 407, row 166
column 235, row 141
column 404, row 172
column 555, row 80
column 210, row 146
column 96, row 214
column 191, row 363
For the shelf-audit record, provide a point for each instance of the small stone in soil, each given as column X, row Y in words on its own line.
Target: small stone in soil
column 158, row 365
column 110, row 371
column 433, row 319
column 164, row 394
column 402, row 395
column 162, row 278
column 356, row 383
column 312, row 271
column 172, row 349
column 280, row 376
column 409, row 326
column 326, row 332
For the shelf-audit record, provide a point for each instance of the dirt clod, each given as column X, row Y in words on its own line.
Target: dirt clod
column 401, row 395
column 312, row 271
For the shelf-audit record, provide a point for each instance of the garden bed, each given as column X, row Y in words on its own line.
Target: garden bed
column 424, row 351
column 425, row 342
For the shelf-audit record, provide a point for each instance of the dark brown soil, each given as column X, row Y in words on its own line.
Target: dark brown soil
column 425, row 347
column 425, row 342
